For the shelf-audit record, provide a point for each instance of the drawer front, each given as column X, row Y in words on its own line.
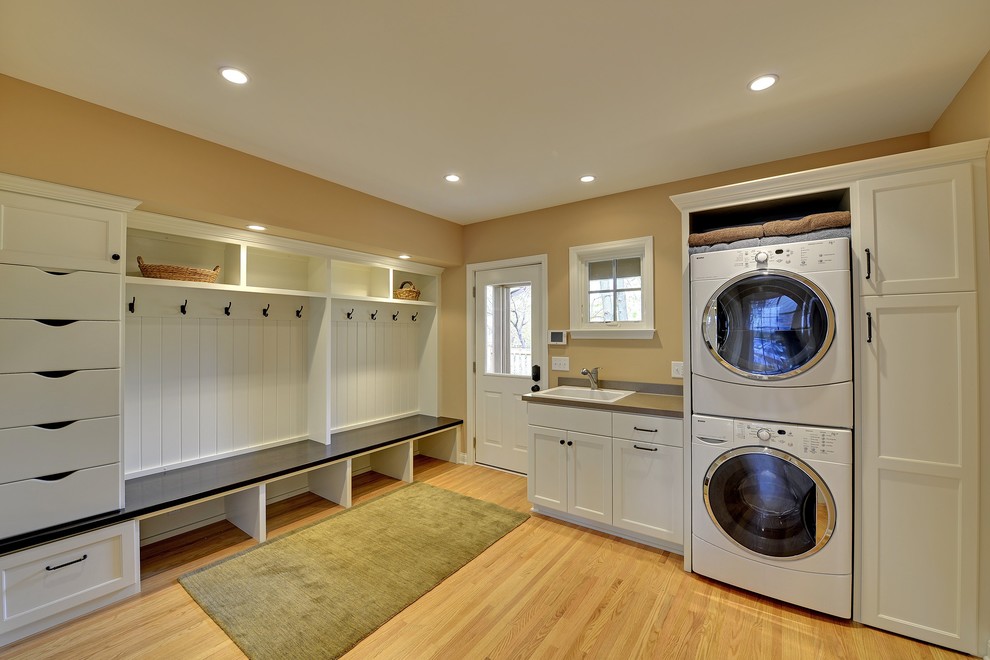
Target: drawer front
column 29, row 399
column 43, row 581
column 32, row 293
column 49, row 346
column 647, row 428
column 48, row 233
column 585, row 420
column 36, row 503
column 41, row 451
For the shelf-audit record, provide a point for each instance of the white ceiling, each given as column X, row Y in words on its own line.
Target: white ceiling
column 518, row 97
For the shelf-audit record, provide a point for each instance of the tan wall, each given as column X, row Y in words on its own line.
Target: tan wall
column 643, row 212
column 968, row 116
column 53, row 137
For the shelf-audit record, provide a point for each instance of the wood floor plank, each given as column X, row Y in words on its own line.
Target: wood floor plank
column 548, row 589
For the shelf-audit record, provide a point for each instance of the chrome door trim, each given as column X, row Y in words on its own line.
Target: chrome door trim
column 710, row 317
column 822, row 494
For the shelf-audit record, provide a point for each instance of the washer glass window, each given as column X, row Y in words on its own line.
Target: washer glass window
column 768, row 325
column 769, row 502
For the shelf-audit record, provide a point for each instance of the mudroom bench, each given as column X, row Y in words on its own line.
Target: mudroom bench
column 241, row 480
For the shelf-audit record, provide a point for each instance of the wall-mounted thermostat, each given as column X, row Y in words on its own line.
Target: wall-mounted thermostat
column 557, row 338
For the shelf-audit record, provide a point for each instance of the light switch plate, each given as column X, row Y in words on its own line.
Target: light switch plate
column 560, row 364
column 677, row 370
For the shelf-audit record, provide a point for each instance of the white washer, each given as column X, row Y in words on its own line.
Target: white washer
column 772, row 510
column 771, row 333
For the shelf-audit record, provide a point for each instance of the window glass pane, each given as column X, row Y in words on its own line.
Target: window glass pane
column 600, row 276
column 629, row 305
column 520, row 340
column 490, row 329
column 628, row 273
column 600, row 307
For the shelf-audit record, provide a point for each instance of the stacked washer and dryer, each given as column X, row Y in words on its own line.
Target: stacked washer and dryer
column 772, row 398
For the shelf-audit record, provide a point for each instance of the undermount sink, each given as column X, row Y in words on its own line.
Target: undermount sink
column 582, row 394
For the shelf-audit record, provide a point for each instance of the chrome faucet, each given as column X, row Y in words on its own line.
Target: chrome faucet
column 592, row 376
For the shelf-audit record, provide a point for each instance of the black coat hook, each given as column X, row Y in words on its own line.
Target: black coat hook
column 265, row 310
column 226, row 310
column 395, row 317
column 414, row 316
column 374, row 315
column 350, row 314
column 182, row 307
column 299, row 312
column 130, row 305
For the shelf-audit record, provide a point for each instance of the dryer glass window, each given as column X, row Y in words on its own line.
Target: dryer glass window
column 770, row 503
column 769, row 326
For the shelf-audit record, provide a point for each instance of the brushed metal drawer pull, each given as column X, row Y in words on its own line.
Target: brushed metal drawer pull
column 636, row 428
column 68, row 563
column 645, row 448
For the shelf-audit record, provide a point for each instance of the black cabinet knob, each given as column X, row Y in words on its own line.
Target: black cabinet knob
column 561, row 442
column 115, row 256
column 569, row 443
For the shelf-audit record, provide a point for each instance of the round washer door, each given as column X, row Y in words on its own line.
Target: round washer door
column 768, row 325
column 769, row 502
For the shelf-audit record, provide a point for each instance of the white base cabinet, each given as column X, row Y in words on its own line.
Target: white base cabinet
column 49, row 584
column 627, row 482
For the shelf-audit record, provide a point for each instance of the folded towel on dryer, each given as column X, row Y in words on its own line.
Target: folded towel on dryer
column 821, row 234
column 725, row 235
column 745, row 243
column 808, row 223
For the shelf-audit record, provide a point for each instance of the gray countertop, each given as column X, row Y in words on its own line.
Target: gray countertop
column 639, row 403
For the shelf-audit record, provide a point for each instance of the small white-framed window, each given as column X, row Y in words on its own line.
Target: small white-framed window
column 612, row 290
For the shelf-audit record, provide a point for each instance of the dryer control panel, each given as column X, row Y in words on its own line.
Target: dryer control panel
column 799, row 257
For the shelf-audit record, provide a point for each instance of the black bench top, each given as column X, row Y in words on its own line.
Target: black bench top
column 163, row 490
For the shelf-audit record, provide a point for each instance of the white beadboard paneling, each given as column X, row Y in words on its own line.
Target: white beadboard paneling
column 198, row 387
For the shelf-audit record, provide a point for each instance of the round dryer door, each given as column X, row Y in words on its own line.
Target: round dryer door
column 768, row 325
column 769, row 502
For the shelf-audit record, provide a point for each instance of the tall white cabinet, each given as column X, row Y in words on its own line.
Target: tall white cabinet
column 919, row 394
column 921, row 285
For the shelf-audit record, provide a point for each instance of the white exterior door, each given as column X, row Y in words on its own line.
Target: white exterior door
column 510, row 341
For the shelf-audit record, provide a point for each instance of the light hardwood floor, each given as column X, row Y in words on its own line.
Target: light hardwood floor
column 546, row 590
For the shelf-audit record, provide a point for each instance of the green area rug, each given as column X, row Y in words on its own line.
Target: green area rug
column 318, row 591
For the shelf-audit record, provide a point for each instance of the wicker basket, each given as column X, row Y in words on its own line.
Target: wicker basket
column 407, row 291
column 169, row 272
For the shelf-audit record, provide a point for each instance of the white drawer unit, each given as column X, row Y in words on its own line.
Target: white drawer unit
column 596, row 422
column 29, row 399
column 59, row 447
column 32, row 293
column 59, row 345
column 648, row 428
column 49, row 584
column 34, row 504
column 49, row 233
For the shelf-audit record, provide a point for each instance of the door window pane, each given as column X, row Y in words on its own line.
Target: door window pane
column 508, row 330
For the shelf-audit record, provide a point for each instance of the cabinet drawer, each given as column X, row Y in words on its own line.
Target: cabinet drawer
column 43, row 581
column 596, row 422
column 28, row 399
column 647, row 428
column 48, row 233
column 32, row 293
column 36, row 503
column 40, row 451
column 46, row 346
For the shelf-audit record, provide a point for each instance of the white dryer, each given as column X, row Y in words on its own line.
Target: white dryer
column 771, row 333
column 772, row 510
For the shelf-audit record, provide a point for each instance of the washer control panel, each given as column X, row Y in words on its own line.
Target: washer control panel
column 799, row 257
column 809, row 442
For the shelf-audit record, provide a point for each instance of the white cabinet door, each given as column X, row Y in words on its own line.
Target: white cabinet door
column 648, row 489
column 547, row 477
column 914, row 232
column 48, row 233
column 589, row 472
column 920, row 472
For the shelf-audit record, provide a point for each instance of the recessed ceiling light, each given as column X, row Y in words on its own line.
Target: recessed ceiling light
column 236, row 76
column 404, row 256
column 256, row 228
column 763, row 82
column 587, row 178
column 453, row 178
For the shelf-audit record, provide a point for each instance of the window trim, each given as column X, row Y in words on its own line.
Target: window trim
column 580, row 256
